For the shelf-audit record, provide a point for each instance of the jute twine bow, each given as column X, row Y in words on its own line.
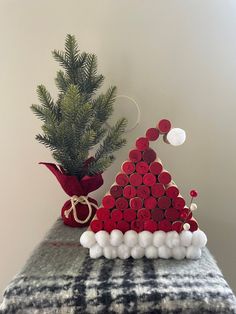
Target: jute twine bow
column 82, row 200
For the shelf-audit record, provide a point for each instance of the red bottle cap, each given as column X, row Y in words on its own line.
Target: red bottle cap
column 172, row 214
column 177, row 226
column 164, row 177
column 136, row 179
column 129, row 191
column 158, row 190
column 172, row 191
column 152, row 134
column 164, row 126
column 137, row 225
column 116, row 215
column 143, row 214
column 103, row 213
column 178, row 203
column 157, row 214
column 165, row 225
column 108, row 201
column 129, row 214
column 142, row 167
column 143, row 191
column 156, row 167
column 122, row 179
column 149, row 179
column 164, row 202
column 96, row 225
column 123, row 226
column 121, row 203
column 128, row 167
column 150, row 202
column 136, row 203
column 116, row 191
column 109, row 225
column 135, row 155
column 150, row 225
column 149, row 155
column 142, row 143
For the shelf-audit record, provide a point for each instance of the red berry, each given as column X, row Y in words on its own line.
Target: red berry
column 193, row 193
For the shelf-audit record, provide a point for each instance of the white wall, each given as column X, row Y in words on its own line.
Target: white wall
column 176, row 58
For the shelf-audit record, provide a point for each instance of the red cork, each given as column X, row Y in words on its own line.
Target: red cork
column 149, row 155
column 193, row 224
column 164, row 177
column 122, row 203
column 152, row 134
column 103, row 213
column 172, row 191
column 135, row 155
column 149, row 179
column 116, row 191
column 136, row 179
column 109, row 225
column 142, row 167
column 164, row 126
column 128, row 167
column 157, row 214
column 96, row 225
column 108, row 201
column 158, row 190
column 116, row 215
column 150, row 225
column 137, row 225
column 164, row 202
column 172, row 214
column 178, row 203
column 177, row 226
column 186, row 214
column 143, row 191
column 123, row 226
column 136, row 203
column 142, row 143
column 129, row 214
column 150, row 202
column 165, row 225
column 129, row 191
column 156, row 167
column 122, row 179
column 144, row 214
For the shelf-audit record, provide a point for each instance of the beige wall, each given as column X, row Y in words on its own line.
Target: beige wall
column 176, row 58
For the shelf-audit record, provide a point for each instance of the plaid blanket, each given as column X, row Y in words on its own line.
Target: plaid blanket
column 60, row 277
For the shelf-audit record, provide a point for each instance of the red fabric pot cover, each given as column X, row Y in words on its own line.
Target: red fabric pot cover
column 72, row 186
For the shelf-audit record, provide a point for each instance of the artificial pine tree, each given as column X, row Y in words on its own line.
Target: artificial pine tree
column 75, row 123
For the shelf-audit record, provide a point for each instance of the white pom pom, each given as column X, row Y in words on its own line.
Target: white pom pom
column 96, row 251
column 116, row 237
column 199, row 238
column 137, row 252
column 145, row 238
column 172, row 239
column 186, row 226
column 176, row 136
column 87, row 239
column 123, row 251
column 193, row 252
column 110, row 252
column 159, row 238
column 193, row 207
column 103, row 238
column 131, row 238
column 151, row 252
column 179, row 252
column 186, row 238
column 164, row 252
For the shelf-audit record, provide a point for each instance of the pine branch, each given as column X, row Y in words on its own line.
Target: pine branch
column 100, row 165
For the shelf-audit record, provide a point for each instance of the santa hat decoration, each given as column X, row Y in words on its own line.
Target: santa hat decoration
column 144, row 214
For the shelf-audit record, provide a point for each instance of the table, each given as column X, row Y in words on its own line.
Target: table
column 60, row 277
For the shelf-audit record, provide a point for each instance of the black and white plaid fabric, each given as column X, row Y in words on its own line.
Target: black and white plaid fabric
column 61, row 278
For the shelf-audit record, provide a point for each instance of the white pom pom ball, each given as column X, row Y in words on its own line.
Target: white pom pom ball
column 186, row 238
column 176, row 136
column 199, row 238
column 151, row 252
column 87, row 239
column 179, row 252
column 193, row 207
column 96, row 251
column 172, row 239
column 116, row 237
column 103, row 238
column 131, row 238
column 193, row 252
column 137, row 252
column 186, row 226
column 145, row 238
column 110, row 252
column 123, row 251
column 159, row 238
column 164, row 252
